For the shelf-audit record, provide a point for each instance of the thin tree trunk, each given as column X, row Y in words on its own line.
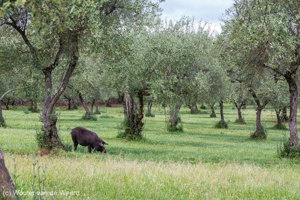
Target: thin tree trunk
column 6, row 103
column 194, row 108
column 294, row 140
column 284, row 115
column 239, row 111
column 69, row 102
column 88, row 112
column 141, row 110
column 278, row 117
column 222, row 112
column 33, row 106
column 7, row 187
column 97, row 107
column 259, row 132
column 221, row 123
column 212, row 109
column 92, row 105
column 258, row 124
column 149, row 109
column 107, row 103
column 2, row 121
column 75, row 104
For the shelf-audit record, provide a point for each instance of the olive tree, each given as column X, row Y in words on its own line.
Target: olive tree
column 55, row 33
column 184, row 53
column 269, row 32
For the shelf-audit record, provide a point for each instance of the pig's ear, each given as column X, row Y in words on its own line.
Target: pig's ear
column 101, row 144
column 104, row 143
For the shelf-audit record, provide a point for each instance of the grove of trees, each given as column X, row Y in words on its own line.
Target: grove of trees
column 92, row 50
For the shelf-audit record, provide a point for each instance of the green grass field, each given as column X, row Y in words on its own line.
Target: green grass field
column 200, row 163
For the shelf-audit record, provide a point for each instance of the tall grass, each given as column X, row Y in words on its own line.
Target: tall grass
column 101, row 177
column 200, row 163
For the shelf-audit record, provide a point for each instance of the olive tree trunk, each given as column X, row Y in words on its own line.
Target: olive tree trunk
column 213, row 112
column 174, row 118
column 51, row 138
column 194, row 109
column 2, row 120
column 222, row 111
column 33, row 106
column 221, row 123
column 133, row 116
column 259, row 131
column 66, row 41
column 7, row 187
column 149, row 109
column 293, row 89
column 97, row 105
column 278, row 117
column 284, row 116
column 88, row 113
column 239, row 106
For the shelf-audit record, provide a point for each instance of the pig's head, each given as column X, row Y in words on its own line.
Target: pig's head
column 100, row 147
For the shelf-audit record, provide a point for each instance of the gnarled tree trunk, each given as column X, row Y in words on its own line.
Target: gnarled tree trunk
column 88, row 113
column 97, row 103
column 51, row 139
column 133, row 116
column 33, row 106
column 68, row 41
column 149, row 109
column 239, row 107
column 284, row 116
column 174, row 119
column 259, row 132
column 194, row 109
column 7, row 187
column 258, row 124
column 2, row 120
column 212, row 109
column 222, row 111
column 278, row 117
column 294, row 140
column 221, row 123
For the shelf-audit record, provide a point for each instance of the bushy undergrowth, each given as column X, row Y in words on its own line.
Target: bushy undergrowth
column 221, row 124
column 240, row 121
column 89, row 117
column 130, row 132
column 105, row 116
column 284, row 150
column 177, row 128
column 280, row 127
column 41, row 139
column 3, row 124
column 149, row 115
column 260, row 134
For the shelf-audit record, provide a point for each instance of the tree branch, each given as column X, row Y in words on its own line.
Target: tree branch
column 273, row 69
column 8, row 91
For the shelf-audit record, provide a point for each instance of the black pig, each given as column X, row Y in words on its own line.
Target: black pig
column 88, row 138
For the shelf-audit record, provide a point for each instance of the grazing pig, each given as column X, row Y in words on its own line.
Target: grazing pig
column 88, row 138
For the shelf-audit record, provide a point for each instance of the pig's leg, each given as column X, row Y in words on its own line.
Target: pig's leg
column 75, row 145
